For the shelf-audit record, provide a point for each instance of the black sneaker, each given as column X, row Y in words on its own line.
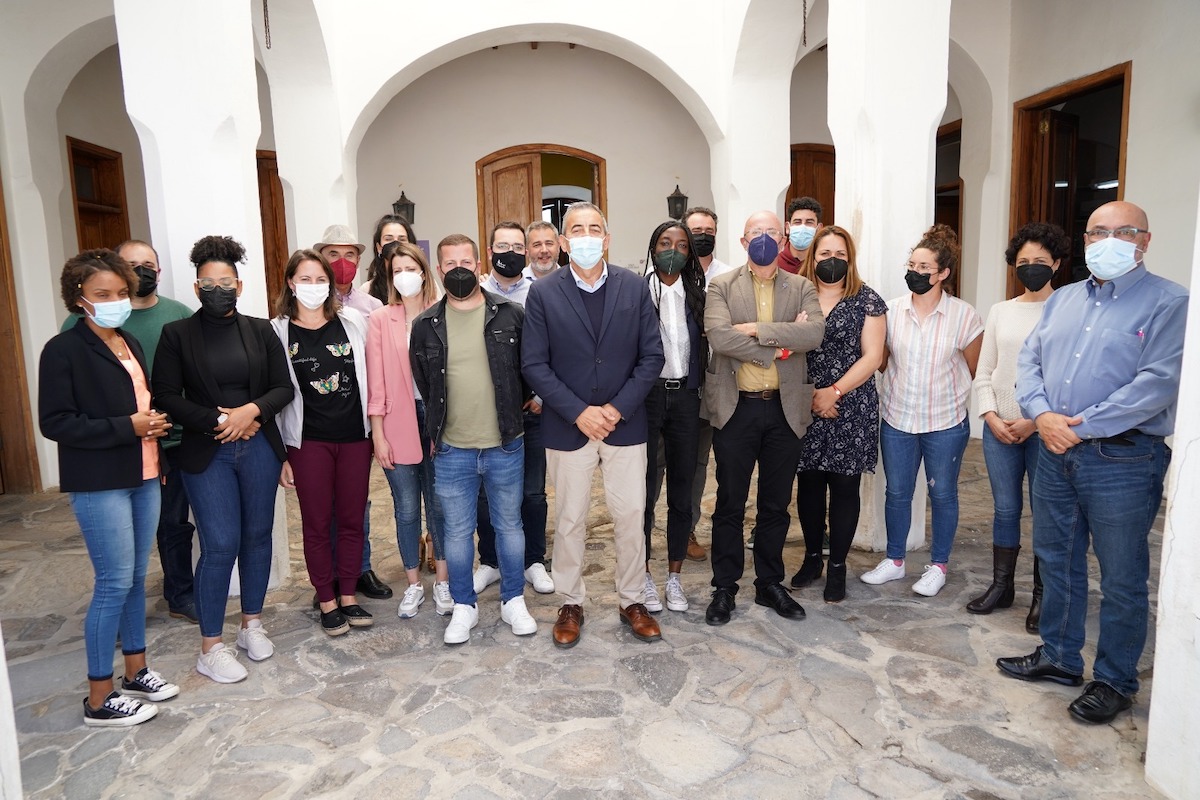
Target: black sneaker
column 117, row 712
column 148, row 685
column 334, row 622
column 357, row 616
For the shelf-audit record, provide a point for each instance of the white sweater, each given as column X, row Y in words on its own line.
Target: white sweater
column 1008, row 325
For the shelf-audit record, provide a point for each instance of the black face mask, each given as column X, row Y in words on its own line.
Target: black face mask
column 147, row 281
column 704, row 242
column 832, row 270
column 508, row 264
column 219, row 302
column 1034, row 276
column 918, row 282
column 460, row 283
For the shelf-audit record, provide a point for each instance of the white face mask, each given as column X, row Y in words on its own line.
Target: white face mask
column 1110, row 258
column 407, row 283
column 586, row 251
column 311, row 295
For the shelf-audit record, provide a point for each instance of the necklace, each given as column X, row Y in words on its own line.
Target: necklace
column 117, row 345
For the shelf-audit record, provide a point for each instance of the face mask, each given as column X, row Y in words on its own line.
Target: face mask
column 832, row 270
column 344, row 270
column 219, row 302
column 1034, row 276
column 147, row 281
column 918, row 282
column 109, row 315
column 586, row 251
column 801, row 236
column 763, row 250
column 670, row 262
column 460, row 283
column 508, row 264
column 705, row 242
column 1110, row 258
column 407, row 283
column 311, row 295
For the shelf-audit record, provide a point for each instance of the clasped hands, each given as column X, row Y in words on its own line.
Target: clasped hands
column 241, row 423
column 597, row 422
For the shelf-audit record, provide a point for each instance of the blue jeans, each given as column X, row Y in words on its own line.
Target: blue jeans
column 1007, row 466
column 533, row 501
column 903, row 453
column 458, row 475
column 1114, row 492
column 118, row 527
column 409, row 483
column 234, row 502
column 175, row 537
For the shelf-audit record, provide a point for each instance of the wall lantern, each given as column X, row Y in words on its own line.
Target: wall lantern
column 677, row 203
column 405, row 208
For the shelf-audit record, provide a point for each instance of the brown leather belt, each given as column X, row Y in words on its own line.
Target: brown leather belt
column 767, row 394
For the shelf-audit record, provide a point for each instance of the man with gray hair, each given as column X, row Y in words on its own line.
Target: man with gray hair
column 541, row 243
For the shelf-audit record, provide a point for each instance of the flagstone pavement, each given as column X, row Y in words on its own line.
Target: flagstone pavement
column 886, row 694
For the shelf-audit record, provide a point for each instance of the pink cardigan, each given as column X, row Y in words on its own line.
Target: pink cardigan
column 390, row 383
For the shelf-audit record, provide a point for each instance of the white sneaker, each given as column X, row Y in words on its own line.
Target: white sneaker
column 414, row 595
column 221, row 665
column 676, row 599
column 443, row 602
column 459, row 630
column 485, row 576
column 253, row 639
column 931, row 582
column 537, row 577
column 652, row 602
column 884, row 572
column 515, row 614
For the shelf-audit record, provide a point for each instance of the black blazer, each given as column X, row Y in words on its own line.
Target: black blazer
column 185, row 388
column 85, row 399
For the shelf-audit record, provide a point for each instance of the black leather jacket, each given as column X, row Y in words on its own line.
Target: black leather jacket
column 502, row 336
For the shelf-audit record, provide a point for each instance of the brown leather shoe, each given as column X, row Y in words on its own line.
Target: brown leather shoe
column 641, row 623
column 695, row 551
column 566, row 630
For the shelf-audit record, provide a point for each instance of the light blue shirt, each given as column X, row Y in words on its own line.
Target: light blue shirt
column 582, row 284
column 515, row 293
column 1110, row 353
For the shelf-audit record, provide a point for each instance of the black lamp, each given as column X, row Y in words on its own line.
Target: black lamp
column 676, row 203
column 405, row 208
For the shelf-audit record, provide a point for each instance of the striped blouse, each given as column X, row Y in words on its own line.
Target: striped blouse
column 927, row 381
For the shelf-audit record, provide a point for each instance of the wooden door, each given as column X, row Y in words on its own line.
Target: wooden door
column 1057, row 176
column 813, row 175
column 98, row 192
column 511, row 190
column 274, row 224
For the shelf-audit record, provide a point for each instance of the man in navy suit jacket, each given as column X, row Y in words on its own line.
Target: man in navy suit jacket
column 592, row 350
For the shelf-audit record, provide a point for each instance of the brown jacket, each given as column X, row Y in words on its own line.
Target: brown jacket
column 731, row 301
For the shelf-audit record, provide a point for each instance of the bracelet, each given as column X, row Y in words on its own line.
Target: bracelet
column 836, row 390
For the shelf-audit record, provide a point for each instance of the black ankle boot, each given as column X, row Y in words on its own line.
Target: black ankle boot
column 1035, row 608
column 809, row 571
column 1001, row 593
column 835, row 583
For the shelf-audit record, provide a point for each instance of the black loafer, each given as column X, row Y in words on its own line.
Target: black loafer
column 370, row 585
column 1035, row 668
column 334, row 622
column 774, row 596
column 1099, row 703
column 317, row 601
column 720, row 608
column 357, row 616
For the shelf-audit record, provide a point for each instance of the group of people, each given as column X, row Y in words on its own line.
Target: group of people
column 470, row 389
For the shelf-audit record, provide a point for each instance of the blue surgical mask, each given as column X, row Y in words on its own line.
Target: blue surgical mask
column 109, row 315
column 763, row 250
column 801, row 236
column 1110, row 258
column 586, row 251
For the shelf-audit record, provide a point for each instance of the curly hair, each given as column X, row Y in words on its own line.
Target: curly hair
column 942, row 241
column 225, row 249
column 79, row 269
column 1047, row 234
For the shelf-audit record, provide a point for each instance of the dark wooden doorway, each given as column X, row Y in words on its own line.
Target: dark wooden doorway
column 948, row 190
column 98, row 192
column 1069, row 147
column 813, row 175
column 274, row 224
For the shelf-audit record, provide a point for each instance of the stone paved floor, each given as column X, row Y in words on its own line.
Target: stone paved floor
column 885, row 695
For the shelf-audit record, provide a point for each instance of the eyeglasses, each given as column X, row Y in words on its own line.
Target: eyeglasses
column 504, row 247
column 1125, row 234
column 208, row 284
column 757, row 232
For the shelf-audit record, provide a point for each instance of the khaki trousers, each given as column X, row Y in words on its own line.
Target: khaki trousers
column 624, row 471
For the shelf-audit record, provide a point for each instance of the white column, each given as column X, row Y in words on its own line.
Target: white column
column 887, row 93
column 10, row 754
column 1174, row 738
column 193, row 100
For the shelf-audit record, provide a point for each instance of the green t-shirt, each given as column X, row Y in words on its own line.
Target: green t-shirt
column 470, row 396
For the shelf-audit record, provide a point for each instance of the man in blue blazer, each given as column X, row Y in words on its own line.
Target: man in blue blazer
column 591, row 351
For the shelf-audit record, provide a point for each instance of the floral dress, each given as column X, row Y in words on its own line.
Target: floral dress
column 847, row 444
